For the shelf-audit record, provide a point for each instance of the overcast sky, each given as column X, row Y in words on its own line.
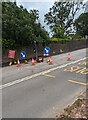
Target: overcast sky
column 41, row 5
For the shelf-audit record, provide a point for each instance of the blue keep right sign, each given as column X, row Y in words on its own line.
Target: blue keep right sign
column 23, row 54
column 46, row 50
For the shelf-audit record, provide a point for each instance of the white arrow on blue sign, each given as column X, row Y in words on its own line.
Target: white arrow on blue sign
column 46, row 50
column 23, row 54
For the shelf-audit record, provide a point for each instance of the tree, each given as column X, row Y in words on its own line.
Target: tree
column 19, row 26
column 61, row 16
column 81, row 24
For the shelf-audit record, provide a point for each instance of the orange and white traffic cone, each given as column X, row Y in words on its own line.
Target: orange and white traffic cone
column 69, row 57
column 50, row 61
column 33, row 62
column 18, row 63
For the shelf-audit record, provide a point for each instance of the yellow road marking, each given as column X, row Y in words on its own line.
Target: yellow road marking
column 73, row 68
column 83, row 63
column 84, row 71
column 48, row 75
column 81, row 83
column 38, row 74
column 77, row 69
column 81, row 70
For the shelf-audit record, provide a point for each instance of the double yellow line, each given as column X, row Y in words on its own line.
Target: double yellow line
column 81, row 83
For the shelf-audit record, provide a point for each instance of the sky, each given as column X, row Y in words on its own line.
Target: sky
column 43, row 7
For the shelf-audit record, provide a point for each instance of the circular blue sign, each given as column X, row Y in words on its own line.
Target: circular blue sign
column 46, row 50
column 23, row 54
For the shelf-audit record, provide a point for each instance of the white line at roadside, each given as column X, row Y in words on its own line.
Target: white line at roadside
column 38, row 74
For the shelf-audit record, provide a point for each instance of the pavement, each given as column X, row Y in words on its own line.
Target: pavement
column 40, row 91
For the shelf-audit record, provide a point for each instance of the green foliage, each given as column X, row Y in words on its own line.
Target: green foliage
column 20, row 27
column 60, row 17
column 76, row 37
column 78, row 102
column 59, row 32
column 8, row 43
column 82, row 24
column 0, row 42
column 60, row 40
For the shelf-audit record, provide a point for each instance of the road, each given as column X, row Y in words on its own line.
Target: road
column 42, row 90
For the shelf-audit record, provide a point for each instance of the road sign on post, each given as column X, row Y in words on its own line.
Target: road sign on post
column 23, row 55
column 11, row 54
column 46, row 51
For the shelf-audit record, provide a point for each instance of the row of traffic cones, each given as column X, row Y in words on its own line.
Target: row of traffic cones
column 33, row 61
column 50, row 61
column 26, row 62
column 68, row 59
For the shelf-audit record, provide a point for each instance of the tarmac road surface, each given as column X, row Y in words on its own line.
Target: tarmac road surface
column 42, row 90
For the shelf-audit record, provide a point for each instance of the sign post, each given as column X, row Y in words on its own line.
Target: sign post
column 11, row 54
column 23, row 55
column 46, row 51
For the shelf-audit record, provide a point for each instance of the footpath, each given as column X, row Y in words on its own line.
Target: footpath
column 78, row 109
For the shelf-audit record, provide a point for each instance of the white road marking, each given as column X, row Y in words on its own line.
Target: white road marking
column 38, row 74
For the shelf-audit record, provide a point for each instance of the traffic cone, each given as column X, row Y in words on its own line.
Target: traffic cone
column 69, row 57
column 33, row 62
column 18, row 63
column 50, row 61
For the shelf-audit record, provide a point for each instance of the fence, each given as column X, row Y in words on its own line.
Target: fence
column 55, row 49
